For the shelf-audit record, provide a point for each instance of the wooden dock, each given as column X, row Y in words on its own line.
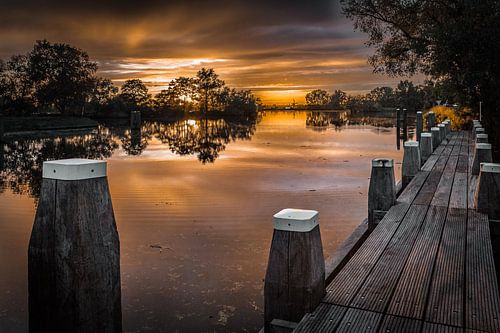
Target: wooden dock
column 427, row 267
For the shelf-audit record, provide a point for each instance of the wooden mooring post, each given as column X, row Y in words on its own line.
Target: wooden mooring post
column 74, row 252
column 431, row 120
column 398, row 128
column 482, row 154
column 405, row 125
column 2, row 129
column 482, row 138
column 425, row 146
column 382, row 190
column 436, row 137
column 419, row 125
column 135, row 119
column 479, row 130
column 442, row 132
column 295, row 277
column 487, row 196
column 411, row 162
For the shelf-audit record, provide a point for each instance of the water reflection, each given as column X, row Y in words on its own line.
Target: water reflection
column 21, row 159
column 320, row 121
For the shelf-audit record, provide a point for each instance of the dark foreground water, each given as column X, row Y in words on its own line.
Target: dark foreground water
column 194, row 202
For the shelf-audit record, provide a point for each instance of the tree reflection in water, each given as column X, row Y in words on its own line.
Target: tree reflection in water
column 320, row 121
column 21, row 159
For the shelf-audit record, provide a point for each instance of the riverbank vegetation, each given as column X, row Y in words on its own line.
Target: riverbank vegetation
column 55, row 78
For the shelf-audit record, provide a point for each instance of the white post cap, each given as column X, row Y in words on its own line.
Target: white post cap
column 435, row 129
column 426, row 135
column 298, row 220
column 410, row 144
column 431, row 112
column 419, row 112
column 483, row 145
column 479, row 130
column 382, row 163
column 482, row 136
column 74, row 169
column 441, row 125
column 490, row 167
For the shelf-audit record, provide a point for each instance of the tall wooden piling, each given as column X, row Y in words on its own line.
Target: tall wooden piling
column 447, row 126
column 431, row 120
column 135, row 119
column 398, row 128
column 487, row 196
column 2, row 129
column 382, row 190
column 482, row 138
column 405, row 125
column 442, row 132
column 411, row 162
column 419, row 125
column 295, row 277
column 482, row 154
column 74, row 252
column 426, row 146
column 436, row 137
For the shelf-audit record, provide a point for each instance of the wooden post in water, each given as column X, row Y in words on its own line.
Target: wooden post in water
column 74, row 252
column 436, row 137
column 442, row 132
column 482, row 154
column 431, row 120
column 295, row 277
column 475, row 126
column 398, row 128
column 479, row 130
column 419, row 125
column 482, row 138
column 382, row 190
column 411, row 162
column 487, row 196
column 1, row 129
column 425, row 146
column 135, row 119
column 405, row 125
column 447, row 127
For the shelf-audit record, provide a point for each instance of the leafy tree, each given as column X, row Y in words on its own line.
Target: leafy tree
column 135, row 94
column 339, row 99
column 409, row 96
column 453, row 40
column 317, row 97
column 384, row 96
column 208, row 83
column 16, row 89
column 62, row 75
column 104, row 91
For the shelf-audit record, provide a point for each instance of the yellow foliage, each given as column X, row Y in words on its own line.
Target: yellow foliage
column 459, row 117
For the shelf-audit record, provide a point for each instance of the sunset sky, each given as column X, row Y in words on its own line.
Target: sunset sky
column 279, row 49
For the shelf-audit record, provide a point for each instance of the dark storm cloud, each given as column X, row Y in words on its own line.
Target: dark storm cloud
column 275, row 44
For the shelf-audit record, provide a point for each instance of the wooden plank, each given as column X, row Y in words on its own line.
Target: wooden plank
column 445, row 305
column 376, row 291
column 436, row 328
column 458, row 197
column 411, row 191
column 456, row 150
column 482, row 297
column 442, row 194
column 411, row 292
column 344, row 286
column 424, row 197
column 400, row 324
column 429, row 164
column 447, row 150
column 439, row 150
column 325, row 318
column 356, row 320
column 441, row 163
column 471, row 190
column 463, row 163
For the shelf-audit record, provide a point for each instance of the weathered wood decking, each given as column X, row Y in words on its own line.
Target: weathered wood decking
column 427, row 267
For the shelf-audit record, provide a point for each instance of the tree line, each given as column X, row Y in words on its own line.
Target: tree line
column 405, row 95
column 61, row 79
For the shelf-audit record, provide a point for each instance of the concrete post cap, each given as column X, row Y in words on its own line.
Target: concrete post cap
column 431, row 112
column 479, row 130
column 441, row 125
column 426, row 135
column 435, row 129
column 74, row 169
column 490, row 167
column 382, row 163
column 483, row 145
column 298, row 220
column 482, row 136
column 411, row 144
column 419, row 112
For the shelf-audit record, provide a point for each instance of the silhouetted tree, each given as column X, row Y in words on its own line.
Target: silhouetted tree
column 318, row 97
column 62, row 76
column 208, row 83
column 338, row 99
column 135, row 94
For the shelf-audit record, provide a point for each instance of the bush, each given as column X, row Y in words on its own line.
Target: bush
column 459, row 118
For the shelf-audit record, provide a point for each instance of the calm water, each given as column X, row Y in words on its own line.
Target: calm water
column 194, row 202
